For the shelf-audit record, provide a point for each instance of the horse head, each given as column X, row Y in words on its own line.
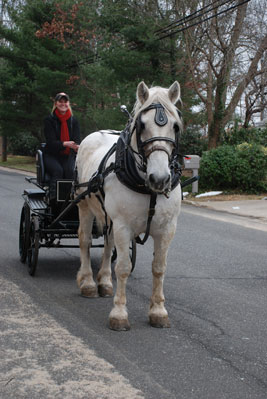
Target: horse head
column 155, row 131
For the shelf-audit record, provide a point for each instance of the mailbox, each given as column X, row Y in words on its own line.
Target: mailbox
column 192, row 162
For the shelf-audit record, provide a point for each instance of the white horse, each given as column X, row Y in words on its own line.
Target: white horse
column 152, row 141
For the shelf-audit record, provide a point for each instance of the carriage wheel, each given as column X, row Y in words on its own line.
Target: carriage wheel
column 33, row 249
column 132, row 250
column 24, row 232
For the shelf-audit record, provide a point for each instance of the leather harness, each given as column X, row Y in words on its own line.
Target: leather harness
column 126, row 166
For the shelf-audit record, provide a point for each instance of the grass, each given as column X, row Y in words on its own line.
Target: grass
column 20, row 162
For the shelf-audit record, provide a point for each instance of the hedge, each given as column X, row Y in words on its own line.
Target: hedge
column 242, row 167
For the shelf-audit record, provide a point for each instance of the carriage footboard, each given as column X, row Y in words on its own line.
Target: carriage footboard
column 35, row 199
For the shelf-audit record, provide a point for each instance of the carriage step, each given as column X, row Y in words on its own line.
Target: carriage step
column 34, row 192
column 35, row 198
column 36, row 204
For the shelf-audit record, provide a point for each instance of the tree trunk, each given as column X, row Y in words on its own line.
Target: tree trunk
column 218, row 114
column 172, row 59
column 247, row 119
column 214, row 133
column 223, row 79
column 4, row 148
column 252, row 71
column 210, row 81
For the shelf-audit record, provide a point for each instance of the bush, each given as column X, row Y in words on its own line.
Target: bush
column 192, row 142
column 23, row 144
column 238, row 135
column 242, row 167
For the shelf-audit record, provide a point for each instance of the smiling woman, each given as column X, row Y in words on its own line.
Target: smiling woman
column 62, row 133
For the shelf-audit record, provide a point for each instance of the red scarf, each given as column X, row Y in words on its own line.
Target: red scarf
column 64, row 132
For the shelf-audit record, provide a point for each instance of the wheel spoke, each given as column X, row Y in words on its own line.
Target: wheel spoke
column 24, row 232
column 33, row 249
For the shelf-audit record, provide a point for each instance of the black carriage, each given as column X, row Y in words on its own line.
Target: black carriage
column 46, row 223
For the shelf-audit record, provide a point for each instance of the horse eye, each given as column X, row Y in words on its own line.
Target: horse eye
column 176, row 127
column 142, row 126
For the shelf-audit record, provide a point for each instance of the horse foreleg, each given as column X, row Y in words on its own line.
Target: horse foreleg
column 85, row 279
column 158, row 315
column 105, row 287
column 118, row 318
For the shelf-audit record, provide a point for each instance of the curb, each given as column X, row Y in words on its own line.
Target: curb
column 200, row 205
column 20, row 171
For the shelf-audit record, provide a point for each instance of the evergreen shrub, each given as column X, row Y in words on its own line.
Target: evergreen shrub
column 192, row 142
column 23, row 144
column 238, row 135
column 242, row 167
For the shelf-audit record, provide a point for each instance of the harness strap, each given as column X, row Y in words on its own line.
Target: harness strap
column 151, row 213
column 189, row 181
column 68, row 208
column 160, row 115
column 156, row 148
column 107, row 230
column 96, row 182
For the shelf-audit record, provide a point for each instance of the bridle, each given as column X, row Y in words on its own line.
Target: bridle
column 160, row 119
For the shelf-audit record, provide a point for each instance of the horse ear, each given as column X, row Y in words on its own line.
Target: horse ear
column 174, row 92
column 142, row 92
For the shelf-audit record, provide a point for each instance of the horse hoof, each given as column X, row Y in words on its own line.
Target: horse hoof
column 159, row 321
column 119, row 325
column 89, row 292
column 105, row 290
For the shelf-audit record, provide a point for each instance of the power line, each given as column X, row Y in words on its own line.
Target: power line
column 194, row 15
column 204, row 20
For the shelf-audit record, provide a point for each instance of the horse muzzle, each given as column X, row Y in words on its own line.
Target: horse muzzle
column 159, row 183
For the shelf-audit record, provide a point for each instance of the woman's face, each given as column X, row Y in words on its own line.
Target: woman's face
column 62, row 105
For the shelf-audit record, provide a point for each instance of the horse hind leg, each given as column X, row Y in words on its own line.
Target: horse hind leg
column 105, row 288
column 158, row 315
column 85, row 279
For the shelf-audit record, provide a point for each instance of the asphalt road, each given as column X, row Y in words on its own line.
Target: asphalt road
column 56, row 344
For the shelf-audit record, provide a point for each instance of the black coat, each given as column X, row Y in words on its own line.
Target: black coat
column 52, row 127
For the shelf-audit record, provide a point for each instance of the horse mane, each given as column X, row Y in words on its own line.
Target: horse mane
column 158, row 94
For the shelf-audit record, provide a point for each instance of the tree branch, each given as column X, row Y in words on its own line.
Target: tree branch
column 196, row 87
column 252, row 71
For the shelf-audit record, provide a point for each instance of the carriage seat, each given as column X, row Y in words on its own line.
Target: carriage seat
column 43, row 178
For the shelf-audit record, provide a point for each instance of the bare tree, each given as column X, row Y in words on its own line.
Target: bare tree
column 215, row 49
column 255, row 99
